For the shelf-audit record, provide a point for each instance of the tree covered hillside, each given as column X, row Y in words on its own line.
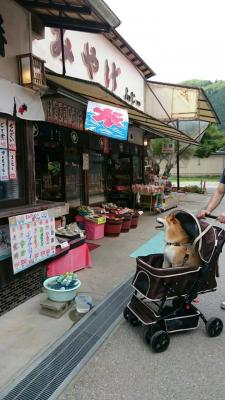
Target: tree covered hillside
column 215, row 92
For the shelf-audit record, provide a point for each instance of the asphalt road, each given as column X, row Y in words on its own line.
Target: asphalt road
column 125, row 368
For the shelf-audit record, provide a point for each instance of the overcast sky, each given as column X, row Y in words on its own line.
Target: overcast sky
column 178, row 39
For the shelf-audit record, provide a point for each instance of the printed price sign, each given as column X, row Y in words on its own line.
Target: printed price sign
column 4, row 171
column 11, row 135
column 3, row 133
column 32, row 239
column 12, row 165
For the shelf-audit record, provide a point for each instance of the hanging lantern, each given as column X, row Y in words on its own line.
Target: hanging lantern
column 31, row 71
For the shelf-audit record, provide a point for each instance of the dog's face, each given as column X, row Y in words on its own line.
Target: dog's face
column 167, row 222
column 172, row 227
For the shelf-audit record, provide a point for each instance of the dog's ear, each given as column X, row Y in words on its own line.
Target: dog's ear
column 173, row 219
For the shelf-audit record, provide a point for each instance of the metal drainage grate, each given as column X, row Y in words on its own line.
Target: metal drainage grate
column 64, row 359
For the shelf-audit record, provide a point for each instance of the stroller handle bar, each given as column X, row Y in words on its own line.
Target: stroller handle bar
column 212, row 216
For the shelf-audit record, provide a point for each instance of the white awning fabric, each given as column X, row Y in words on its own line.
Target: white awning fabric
column 169, row 102
column 28, row 102
column 95, row 92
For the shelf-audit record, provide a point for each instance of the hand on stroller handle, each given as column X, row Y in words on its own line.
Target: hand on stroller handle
column 211, row 216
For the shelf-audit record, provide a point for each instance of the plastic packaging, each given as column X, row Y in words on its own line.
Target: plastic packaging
column 83, row 303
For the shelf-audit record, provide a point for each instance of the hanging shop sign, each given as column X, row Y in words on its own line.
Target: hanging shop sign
column 168, row 148
column 92, row 57
column 64, row 115
column 4, row 170
column 85, row 161
column 3, row 134
column 107, row 121
column 32, row 239
column 7, row 150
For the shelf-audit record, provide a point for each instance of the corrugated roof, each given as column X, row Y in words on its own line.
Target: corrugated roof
column 117, row 40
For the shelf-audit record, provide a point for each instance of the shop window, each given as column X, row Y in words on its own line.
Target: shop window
column 137, row 169
column 49, row 173
column 96, row 181
column 73, row 176
column 12, row 185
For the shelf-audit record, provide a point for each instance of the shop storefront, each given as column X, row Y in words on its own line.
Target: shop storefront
column 49, row 161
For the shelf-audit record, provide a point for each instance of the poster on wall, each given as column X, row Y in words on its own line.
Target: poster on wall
column 5, row 247
column 4, row 170
column 11, row 135
column 12, row 165
column 3, row 134
column 32, row 239
column 107, row 121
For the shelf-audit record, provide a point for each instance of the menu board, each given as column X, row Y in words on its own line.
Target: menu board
column 32, row 239
column 8, row 169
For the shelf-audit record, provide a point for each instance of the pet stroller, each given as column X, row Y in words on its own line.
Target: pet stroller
column 163, row 297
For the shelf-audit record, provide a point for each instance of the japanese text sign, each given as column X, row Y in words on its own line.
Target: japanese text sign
column 4, row 170
column 3, row 133
column 107, row 121
column 32, row 239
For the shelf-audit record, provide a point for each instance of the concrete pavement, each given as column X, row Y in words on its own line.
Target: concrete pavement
column 125, row 367
column 25, row 333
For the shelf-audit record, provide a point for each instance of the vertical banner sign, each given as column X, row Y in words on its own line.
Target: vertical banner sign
column 106, row 120
column 4, row 170
column 55, row 109
column 85, row 161
column 50, row 116
column 11, row 135
column 3, row 133
column 32, row 239
column 65, row 118
column 12, row 165
column 69, row 117
column 60, row 113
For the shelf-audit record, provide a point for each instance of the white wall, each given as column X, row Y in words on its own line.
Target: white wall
column 212, row 165
column 17, row 34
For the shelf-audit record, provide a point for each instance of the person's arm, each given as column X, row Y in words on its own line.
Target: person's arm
column 214, row 202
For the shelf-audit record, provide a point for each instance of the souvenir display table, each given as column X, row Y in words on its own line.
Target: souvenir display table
column 156, row 197
column 75, row 259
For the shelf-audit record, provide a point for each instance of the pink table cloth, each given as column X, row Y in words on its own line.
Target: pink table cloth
column 72, row 261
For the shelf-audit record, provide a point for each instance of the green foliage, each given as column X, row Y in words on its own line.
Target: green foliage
column 212, row 141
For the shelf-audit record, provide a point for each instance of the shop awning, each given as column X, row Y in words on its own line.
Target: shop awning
column 169, row 102
column 95, row 92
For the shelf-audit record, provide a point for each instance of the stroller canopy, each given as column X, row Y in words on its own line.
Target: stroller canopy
column 200, row 230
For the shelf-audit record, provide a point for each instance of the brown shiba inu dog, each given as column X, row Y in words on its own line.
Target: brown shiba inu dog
column 178, row 249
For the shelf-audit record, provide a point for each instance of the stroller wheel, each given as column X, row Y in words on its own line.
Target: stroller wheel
column 134, row 320
column 127, row 313
column 160, row 341
column 214, row 327
column 150, row 332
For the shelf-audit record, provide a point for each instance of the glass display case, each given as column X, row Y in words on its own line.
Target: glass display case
column 96, row 178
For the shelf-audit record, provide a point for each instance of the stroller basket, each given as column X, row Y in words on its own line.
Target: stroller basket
column 152, row 281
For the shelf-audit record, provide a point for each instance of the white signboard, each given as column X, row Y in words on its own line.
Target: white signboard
column 32, row 239
column 11, row 135
column 93, row 58
column 3, row 133
column 4, row 168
